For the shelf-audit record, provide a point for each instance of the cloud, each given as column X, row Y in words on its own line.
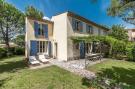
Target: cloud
column 46, row 18
column 129, row 26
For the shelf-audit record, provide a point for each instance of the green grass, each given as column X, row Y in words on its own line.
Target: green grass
column 117, row 70
column 14, row 74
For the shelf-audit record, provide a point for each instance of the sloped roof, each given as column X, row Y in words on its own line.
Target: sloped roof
column 42, row 20
column 86, row 20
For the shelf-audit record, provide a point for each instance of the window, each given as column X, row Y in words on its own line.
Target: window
column 105, row 32
column 133, row 30
column 89, row 29
column 99, row 32
column 77, row 25
column 40, row 30
column 42, row 46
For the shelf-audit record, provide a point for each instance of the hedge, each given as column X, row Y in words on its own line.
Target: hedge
column 11, row 51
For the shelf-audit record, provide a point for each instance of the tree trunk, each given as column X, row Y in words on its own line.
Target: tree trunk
column 7, row 38
column 110, row 51
column 7, row 43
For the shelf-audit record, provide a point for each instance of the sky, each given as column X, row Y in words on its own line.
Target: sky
column 95, row 12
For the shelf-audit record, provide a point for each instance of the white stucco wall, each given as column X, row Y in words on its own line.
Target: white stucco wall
column 131, row 35
column 60, row 35
column 30, row 35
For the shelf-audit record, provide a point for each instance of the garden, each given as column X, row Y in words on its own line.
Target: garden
column 113, row 73
column 118, row 71
column 14, row 74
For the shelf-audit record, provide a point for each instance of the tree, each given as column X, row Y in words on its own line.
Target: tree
column 124, row 9
column 20, row 40
column 33, row 12
column 119, row 32
column 11, row 22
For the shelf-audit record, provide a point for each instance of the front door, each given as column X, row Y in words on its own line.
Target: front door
column 82, row 50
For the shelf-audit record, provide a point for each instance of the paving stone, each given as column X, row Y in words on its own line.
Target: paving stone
column 77, row 67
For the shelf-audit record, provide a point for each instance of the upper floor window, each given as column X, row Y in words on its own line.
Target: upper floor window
column 133, row 30
column 89, row 29
column 40, row 30
column 105, row 32
column 99, row 31
column 77, row 25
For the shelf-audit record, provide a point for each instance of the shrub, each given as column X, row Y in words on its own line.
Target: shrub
column 11, row 50
column 3, row 52
column 19, row 51
column 129, row 51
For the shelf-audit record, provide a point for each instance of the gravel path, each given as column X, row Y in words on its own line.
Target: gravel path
column 76, row 66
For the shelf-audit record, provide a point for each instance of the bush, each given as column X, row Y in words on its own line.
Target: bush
column 118, row 49
column 3, row 52
column 130, row 47
column 11, row 50
column 19, row 51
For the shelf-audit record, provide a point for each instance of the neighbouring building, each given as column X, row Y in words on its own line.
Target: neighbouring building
column 131, row 34
column 54, row 37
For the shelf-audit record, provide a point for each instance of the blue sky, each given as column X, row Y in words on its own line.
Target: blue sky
column 93, row 11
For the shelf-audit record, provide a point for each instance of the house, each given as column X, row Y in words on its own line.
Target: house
column 131, row 34
column 54, row 37
column 39, row 35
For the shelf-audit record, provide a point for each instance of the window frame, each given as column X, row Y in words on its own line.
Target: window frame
column 77, row 25
column 41, row 31
column 42, row 46
column 89, row 29
column 99, row 32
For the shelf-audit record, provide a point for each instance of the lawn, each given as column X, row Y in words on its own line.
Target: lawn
column 14, row 74
column 117, row 70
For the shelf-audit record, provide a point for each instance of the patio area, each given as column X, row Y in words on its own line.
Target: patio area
column 75, row 66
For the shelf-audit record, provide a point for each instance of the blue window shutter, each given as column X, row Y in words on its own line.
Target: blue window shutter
column 82, row 50
column 33, row 48
column 45, row 28
column 36, row 26
column 73, row 24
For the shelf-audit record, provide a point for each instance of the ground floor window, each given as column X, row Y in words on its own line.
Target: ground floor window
column 42, row 46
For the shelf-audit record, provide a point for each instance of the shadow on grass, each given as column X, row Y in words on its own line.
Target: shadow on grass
column 3, row 81
column 12, row 66
column 118, row 76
